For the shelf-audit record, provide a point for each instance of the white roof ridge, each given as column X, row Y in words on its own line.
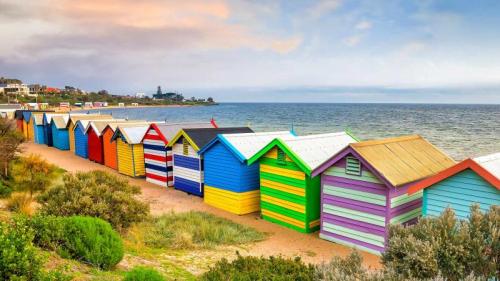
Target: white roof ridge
column 487, row 158
column 256, row 134
column 490, row 162
column 316, row 136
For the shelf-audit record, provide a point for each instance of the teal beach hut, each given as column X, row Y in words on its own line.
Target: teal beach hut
column 60, row 138
column 472, row 181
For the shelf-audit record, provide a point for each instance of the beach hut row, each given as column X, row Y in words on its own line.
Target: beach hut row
column 350, row 190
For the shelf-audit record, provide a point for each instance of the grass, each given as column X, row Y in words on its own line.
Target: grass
column 191, row 230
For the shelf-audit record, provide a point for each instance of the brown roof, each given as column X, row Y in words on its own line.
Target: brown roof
column 404, row 159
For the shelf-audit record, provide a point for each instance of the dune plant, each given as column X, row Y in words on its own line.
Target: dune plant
column 10, row 141
column 32, row 174
column 140, row 273
column 96, row 194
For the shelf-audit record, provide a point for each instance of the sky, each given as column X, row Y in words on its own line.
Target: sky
column 242, row 50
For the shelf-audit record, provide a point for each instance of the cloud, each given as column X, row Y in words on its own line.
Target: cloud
column 323, row 7
column 352, row 41
column 363, row 25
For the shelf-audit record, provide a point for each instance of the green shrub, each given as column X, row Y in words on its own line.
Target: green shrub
column 443, row 245
column 254, row 268
column 95, row 194
column 19, row 259
column 339, row 269
column 140, row 273
column 90, row 240
column 5, row 190
column 192, row 230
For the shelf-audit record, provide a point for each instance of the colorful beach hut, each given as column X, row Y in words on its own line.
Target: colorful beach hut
column 28, row 128
column 18, row 115
column 109, row 147
column 47, row 129
column 81, row 138
column 229, row 183
column 365, row 189
column 72, row 124
column 158, row 156
column 472, row 181
column 290, row 194
column 187, row 165
column 94, row 139
column 38, row 131
column 130, row 150
column 58, row 125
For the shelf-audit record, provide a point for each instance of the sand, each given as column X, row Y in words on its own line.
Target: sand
column 281, row 240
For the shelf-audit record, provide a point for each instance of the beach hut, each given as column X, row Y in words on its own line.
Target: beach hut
column 187, row 165
column 130, row 150
column 38, row 131
column 28, row 125
column 365, row 189
column 80, row 135
column 18, row 115
column 109, row 146
column 47, row 129
column 72, row 123
column 59, row 130
column 158, row 156
column 290, row 195
column 94, row 139
column 472, row 181
column 229, row 183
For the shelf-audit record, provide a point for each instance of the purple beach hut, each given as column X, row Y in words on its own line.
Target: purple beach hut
column 364, row 189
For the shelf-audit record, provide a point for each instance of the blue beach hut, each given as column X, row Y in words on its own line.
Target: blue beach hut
column 60, row 139
column 231, row 184
column 38, row 130
column 472, row 181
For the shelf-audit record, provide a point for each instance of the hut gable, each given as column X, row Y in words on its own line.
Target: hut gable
column 245, row 145
column 60, row 121
column 199, row 137
column 168, row 131
column 400, row 160
column 130, row 134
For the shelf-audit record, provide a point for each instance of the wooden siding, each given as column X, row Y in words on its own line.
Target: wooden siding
column 94, row 144
column 25, row 129
column 187, row 169
column 130, row 159
column 81, row 145
column 39, row 134
column 71, row 136
column 59, row 137
column 288, row 196
column 31, row 130
column 109, row 150
column 459, row 192
column 356, row 210
column 239, row 203
column 230, row 181
column 158, row 159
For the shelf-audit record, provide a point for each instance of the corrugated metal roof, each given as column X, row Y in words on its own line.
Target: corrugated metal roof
column 38, row 118
column 404, row 159
column 75, row 118
column 84, row 123
column 491, row 163
column 250, row 143
column 199, row 137
column 98, row 126
column 132, row 134
column 169, row 130
column 60, row 121
column 313, row 150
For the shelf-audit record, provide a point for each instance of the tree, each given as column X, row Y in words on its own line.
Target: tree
column 33, row 174
column 10, row 141
column 210, row 99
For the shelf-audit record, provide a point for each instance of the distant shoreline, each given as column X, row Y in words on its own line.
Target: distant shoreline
column 74, row 108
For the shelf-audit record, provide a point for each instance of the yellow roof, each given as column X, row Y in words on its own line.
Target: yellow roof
column 404, row 159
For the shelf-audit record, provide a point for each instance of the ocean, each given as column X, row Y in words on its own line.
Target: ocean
column 460, row 130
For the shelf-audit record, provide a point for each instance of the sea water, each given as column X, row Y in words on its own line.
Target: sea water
column 460, row 130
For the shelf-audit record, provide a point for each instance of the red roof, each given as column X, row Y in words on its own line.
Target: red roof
column 453, row 170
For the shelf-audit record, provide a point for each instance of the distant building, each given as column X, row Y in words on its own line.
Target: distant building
column 16, row 89
column 140, row 95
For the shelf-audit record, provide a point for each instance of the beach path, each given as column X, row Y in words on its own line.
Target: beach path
column 281, row 240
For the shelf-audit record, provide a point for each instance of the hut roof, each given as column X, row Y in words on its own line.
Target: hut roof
column 488, row 167
column 169, row 130
column 199, row 137
column 131, row 133
column 309, row 152
column 75, row 118
column 60, row 121
column 404, row 159
column 37, row 118
column 244, row 146
column 99, row 126
column 84, row 123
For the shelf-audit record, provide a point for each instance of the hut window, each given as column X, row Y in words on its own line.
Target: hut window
column 281, row 157
column 185, row 147
column 352, row 166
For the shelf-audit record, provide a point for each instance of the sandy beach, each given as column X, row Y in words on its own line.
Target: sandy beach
column 280, row 240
